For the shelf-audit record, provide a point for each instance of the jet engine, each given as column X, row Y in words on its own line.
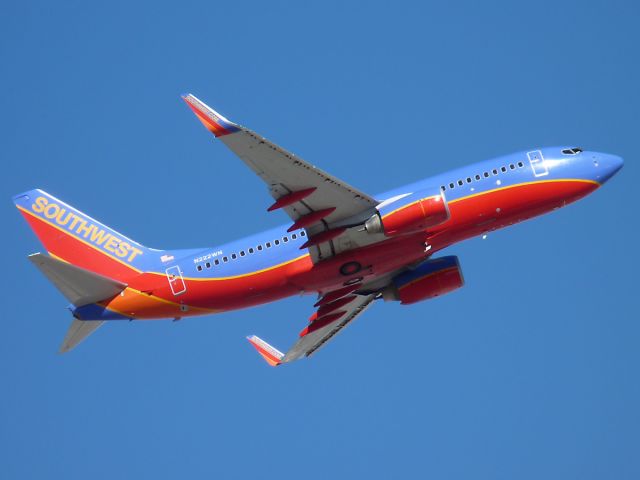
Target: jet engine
column 431, row 278
column 420, row 211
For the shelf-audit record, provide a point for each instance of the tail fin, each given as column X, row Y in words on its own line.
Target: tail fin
column 80, row 287
column 76, row 238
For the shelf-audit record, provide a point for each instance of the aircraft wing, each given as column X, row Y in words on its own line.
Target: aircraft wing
column 325, row 206
column 336, row 309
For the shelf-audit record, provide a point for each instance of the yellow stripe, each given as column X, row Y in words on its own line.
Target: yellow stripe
column 217, row 279
column 493, row 190
column 68, row 232
column 523, row 184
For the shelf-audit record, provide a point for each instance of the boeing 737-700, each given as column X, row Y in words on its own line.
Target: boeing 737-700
column 343, row 245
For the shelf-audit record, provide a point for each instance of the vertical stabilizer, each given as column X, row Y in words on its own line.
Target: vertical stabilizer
column 81, row 240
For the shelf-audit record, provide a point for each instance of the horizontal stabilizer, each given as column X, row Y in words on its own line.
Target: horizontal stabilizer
column 272, row 355
column 79, row 286
column 78, row 331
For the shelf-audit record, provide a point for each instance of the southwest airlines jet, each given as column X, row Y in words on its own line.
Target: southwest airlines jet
column 344, row 245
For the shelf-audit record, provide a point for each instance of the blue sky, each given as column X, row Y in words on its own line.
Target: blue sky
column 528, row 372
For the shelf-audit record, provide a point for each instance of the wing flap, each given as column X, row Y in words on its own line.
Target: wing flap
column 309, row 343
column 320, row 330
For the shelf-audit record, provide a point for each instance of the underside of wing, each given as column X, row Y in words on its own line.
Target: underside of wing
column 335, row 311
column 331, row 211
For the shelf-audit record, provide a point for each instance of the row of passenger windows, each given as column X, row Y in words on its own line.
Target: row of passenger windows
column 485, row 174
column 251, row 250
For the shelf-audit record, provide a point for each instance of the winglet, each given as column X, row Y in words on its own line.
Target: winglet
column 273, row 356
column 212, row 120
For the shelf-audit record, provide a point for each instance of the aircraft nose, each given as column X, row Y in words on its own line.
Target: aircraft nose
column 607, row 166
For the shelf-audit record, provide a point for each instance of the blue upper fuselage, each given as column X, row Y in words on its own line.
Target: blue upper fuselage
column 276, row 246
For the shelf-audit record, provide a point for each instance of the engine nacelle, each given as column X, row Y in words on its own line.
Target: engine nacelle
column 419, row 211
column 431, row 278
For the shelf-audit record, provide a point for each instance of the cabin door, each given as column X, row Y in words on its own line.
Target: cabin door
column 537, row 163
column 176, row 282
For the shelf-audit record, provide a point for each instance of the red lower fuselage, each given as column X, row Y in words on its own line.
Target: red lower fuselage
column 170, row 284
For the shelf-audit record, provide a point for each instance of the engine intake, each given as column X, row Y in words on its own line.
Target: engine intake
column 430, row 279
column 420, row 211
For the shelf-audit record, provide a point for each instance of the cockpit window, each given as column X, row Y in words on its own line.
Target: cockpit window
column 572, row 151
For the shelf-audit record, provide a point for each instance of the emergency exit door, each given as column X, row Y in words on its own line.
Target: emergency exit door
column 176, row 282
column 537, row 163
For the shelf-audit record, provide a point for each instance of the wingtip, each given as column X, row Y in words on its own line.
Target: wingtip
column 272, row 355
column 212, row 120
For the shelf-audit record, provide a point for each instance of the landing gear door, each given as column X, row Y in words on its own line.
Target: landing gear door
column 537, row 163
column 176, row 282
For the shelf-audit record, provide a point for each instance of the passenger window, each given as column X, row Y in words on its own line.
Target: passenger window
column 294, row 236
column 442, row 188
column 233, row 256
column 468, row 179
column 199, row 267
column 495, row 172
column 268, row 244
column 285, row 239
column 259, row 248
column 216, row 262
column 451, row 185
column 477, row 177
column 460, row 182
column 276, row 242
column 512, row 166
column 520, row 164
column 242, row 253
column 225, row 259
column 208, row 265
column 251, row 250
column 303, row 233
column 486, row 174
column 504, row 169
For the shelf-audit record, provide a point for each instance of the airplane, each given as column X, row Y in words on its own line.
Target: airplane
column 345, row 246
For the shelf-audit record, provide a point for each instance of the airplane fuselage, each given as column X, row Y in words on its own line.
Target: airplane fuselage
column 482, row 197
